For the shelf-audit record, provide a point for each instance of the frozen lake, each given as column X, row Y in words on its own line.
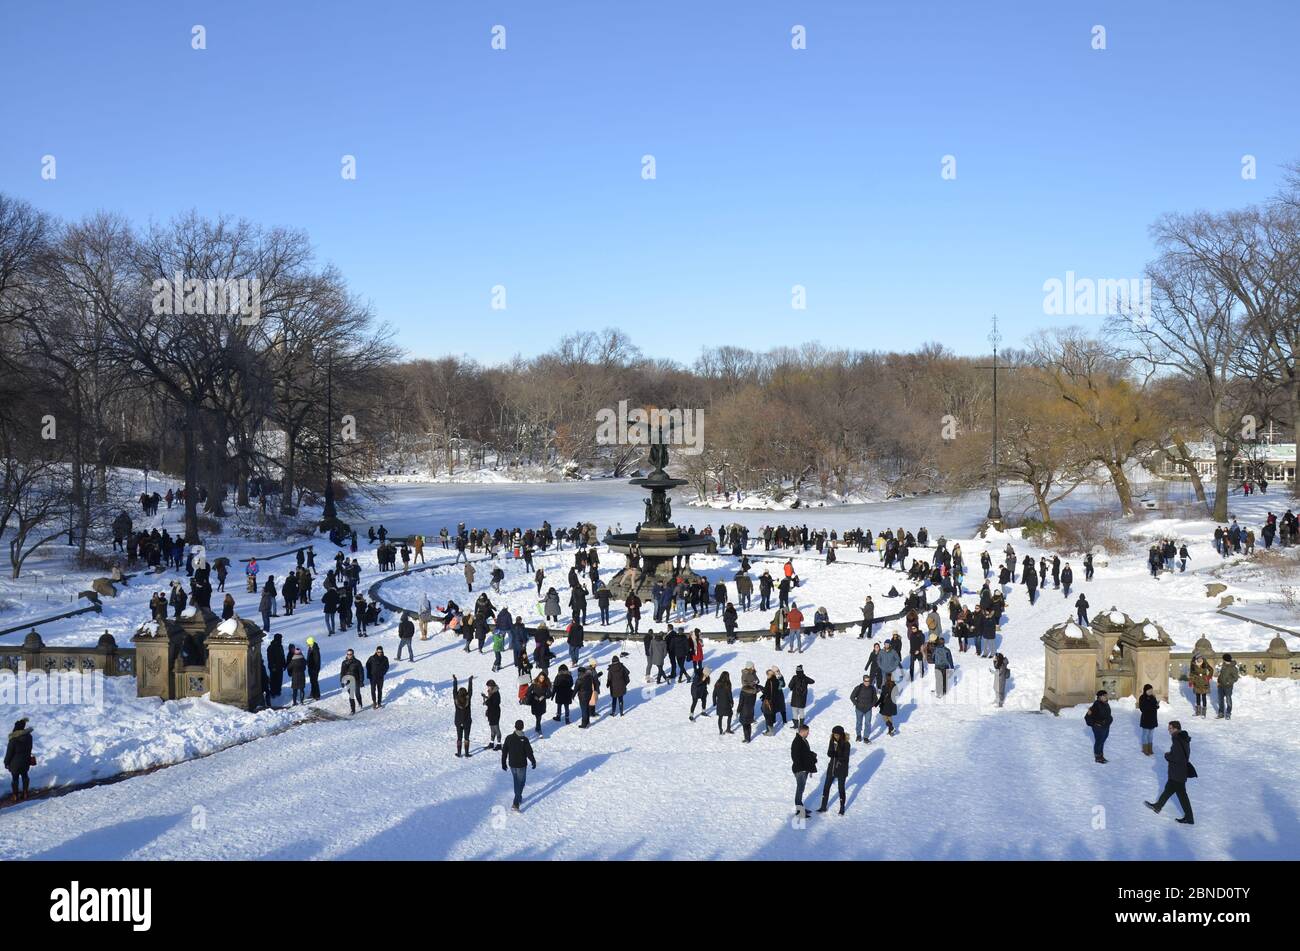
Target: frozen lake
column 427, row 507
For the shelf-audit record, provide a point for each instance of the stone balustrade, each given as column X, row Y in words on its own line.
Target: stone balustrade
column 105, row 657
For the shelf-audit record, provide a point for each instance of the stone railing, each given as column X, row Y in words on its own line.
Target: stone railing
column 106, row 657
column 1277, row 661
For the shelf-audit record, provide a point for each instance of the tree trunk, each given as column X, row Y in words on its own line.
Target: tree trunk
column 191, row 475
column 1193, row 473
column 288, row 479
column 1122, row 487
column 1222, row 472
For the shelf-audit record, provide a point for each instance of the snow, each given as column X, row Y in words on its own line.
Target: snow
column 1006, row 783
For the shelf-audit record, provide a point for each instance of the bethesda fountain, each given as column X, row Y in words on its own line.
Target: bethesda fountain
column 658, row 550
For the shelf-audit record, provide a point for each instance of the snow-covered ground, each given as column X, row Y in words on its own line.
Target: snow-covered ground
column 1009, row 783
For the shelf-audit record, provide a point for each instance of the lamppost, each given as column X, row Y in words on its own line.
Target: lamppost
column 995, row 497
column 330, row 516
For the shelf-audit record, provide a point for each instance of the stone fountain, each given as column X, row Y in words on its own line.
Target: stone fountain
column 658, row 550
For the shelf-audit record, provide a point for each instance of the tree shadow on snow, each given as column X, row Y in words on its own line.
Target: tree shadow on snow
column 115, row 842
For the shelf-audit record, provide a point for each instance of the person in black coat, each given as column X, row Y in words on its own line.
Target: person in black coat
column 19, row 759
column 745, row 712
column 275, row 662
column 313, row 667
column 1147, row 705
column 351, row 677
column 463, row 714
column 517, row 755
column 699, row 691
column 837, row 767
column 376, row 668
column 562, row 690
column 803, row 762
column 297, row 667
column 492, row 704
column 723, row 700
column 1098, row 717
column 588, row 689
column 1180, row 770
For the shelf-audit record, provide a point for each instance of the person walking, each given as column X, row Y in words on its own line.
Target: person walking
column 376, row 668
column 700, row 691
column 1099, row 719
column 1180, row 770
column 406, row 636
column 1228, row 677
column 1081, row 610
column 1147, row 705
column 837, row 767
column 943, row 666
column 19, row 759
column 888, row 707
column 351, row 677
column 863, row 698
column 517, row 756
column 803, row 763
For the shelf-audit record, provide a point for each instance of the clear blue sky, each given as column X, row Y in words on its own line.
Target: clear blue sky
column 775, row 167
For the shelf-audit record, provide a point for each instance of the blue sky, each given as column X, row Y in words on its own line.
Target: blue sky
column 775, row 167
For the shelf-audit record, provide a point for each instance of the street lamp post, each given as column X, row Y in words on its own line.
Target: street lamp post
column 330, row 515
column 995, row 497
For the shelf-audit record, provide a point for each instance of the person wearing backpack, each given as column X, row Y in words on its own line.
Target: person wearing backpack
column 1228, row 677
column 1099, row 719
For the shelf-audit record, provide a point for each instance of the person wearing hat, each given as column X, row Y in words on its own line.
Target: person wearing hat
column 1199, row 678
column 1098, row 717
column 700, row 690
column 517, row 755
column 1228, row 677
column 1147, row 705
column 297, row 670
column 616, row 679
column 19, row 759
column 837, row 767
column 803, row 763
column 745, row 711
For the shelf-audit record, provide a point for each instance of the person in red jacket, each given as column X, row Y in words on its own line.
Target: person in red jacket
column 794, row 618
